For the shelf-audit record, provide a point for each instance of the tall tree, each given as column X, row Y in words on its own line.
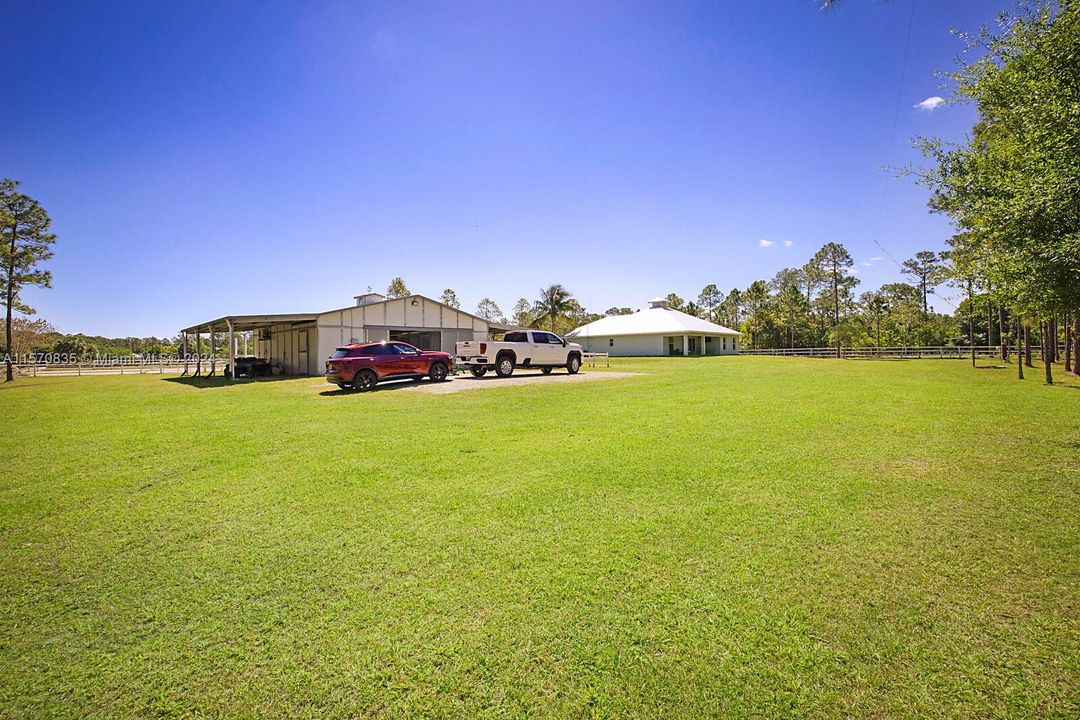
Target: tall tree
column 963, row 270
column 27, row 334
column 488, row 310
column 675, row 302
column 732, row 307
column 397, row 289
column 709, row 297
column 834, row 264
column 619, row 311
column 757, row 309
column 26, row 243
column 925, row 270
column 554, row 303
column 792, row 306
column 875, row 306
column 692, row 308
column 523, row 315
column 1076, row 343
column 449, row 297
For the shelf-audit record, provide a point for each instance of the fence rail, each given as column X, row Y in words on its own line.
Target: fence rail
column 591, row 358
column 943, row 352
column 113, row 367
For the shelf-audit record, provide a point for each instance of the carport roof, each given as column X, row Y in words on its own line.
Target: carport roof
column 250, row 322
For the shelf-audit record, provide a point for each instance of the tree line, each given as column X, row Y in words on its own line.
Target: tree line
column 555, row 308
column 1012, row 189
column 36, row 336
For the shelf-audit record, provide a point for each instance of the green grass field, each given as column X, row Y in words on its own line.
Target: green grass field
column 717, row 537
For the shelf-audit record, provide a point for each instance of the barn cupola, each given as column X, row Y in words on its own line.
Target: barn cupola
column 660, row 303
column 368, row 298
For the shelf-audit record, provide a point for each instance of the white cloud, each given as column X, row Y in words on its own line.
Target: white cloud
column 871, row 262
column 931, row 103
column 765, row 243
column 788, row 243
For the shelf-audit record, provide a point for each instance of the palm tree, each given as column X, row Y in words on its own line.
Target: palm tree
column 554, row 302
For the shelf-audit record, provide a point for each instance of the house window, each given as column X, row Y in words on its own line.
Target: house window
column 725, row 343
column 611, row 342
column 733, row 343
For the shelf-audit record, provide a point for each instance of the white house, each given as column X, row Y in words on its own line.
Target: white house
column 660, row 330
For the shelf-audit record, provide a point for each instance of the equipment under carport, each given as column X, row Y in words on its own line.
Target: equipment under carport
column 251, row 367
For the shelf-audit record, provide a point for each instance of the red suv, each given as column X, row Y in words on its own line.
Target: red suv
column 362, row 366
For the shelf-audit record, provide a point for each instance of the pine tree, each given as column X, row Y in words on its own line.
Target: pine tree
column 26, row 242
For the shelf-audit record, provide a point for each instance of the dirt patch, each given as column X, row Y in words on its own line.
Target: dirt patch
column 460, row 383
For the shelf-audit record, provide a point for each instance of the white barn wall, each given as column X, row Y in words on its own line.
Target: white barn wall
column 373, row 323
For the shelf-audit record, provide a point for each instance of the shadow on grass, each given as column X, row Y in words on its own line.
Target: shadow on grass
column 382, row 386
column 16, row 385
column 204, row 382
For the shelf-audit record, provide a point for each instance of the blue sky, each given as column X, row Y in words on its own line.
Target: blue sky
column 221, row 158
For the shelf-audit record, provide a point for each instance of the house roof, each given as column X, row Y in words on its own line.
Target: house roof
column 657, row 320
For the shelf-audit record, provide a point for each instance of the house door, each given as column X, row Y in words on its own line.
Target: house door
column 302, row 353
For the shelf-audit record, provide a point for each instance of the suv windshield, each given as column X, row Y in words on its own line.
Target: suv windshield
column 339, row 353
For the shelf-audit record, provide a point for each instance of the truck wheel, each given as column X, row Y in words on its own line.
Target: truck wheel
column 504, row 366
column 546, row 370
column 365, row 380
column 438, row 372
column 573, row 364
column 478, row 371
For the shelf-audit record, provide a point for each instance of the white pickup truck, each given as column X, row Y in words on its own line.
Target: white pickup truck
column 518, row 348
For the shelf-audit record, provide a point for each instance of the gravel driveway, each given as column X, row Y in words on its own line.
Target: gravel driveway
column 459, row 383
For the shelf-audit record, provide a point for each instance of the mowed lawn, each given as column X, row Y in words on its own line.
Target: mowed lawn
column 728, row 537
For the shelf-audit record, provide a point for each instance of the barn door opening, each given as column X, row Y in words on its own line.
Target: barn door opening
column 425, row 340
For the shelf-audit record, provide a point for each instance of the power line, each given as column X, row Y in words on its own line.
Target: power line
column 892, row 135
column 892, row 145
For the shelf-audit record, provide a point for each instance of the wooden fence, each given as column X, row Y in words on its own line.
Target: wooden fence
column 940, row 352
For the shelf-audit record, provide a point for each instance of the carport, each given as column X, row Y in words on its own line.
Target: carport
column 298, row 326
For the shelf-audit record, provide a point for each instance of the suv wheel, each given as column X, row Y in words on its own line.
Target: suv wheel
column 438, row 372
column 573, row 364
column 504, row 366
column 478, row 371
column 364, row 380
